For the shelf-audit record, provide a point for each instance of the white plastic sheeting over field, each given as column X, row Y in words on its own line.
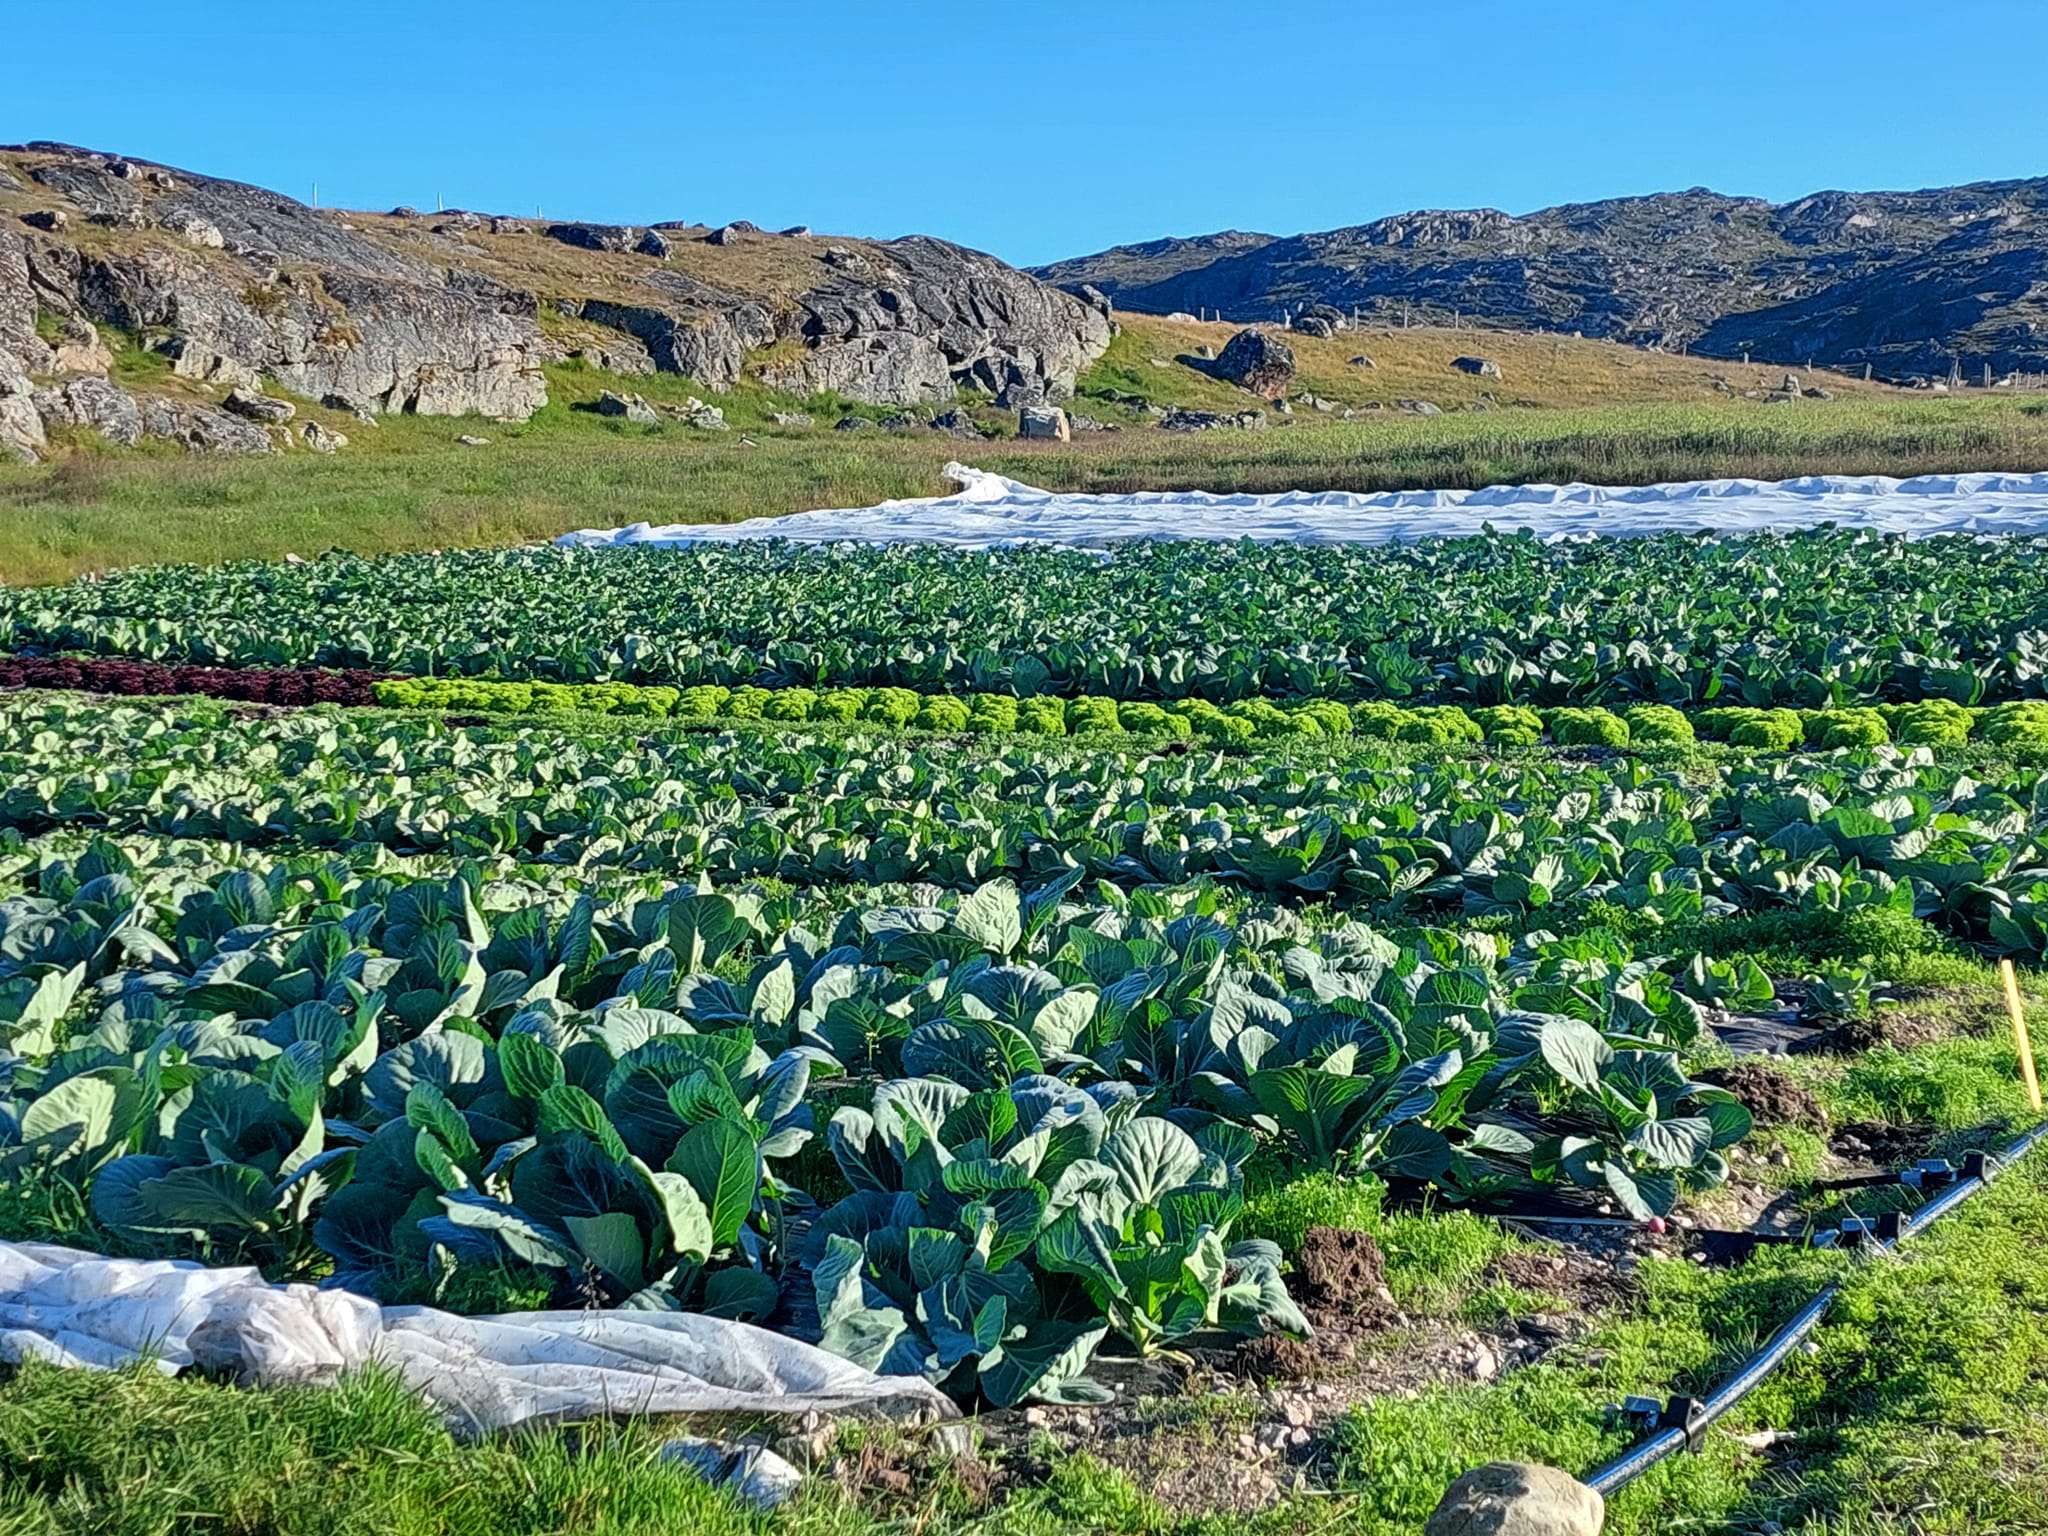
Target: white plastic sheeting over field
column 483, row 1373
column 989, row 510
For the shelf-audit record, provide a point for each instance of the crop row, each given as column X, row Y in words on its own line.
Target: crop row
column 1871, row 827
column 1936, row 722
column 1045, row 1102
column 1807, row 620
column 147, row 679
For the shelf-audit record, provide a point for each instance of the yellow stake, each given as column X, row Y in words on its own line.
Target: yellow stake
column 2019, row 1033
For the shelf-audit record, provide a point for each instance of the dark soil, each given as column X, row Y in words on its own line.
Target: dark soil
column 1772, row 1097
column 1887, row 1146
column 1916, row 1020
column 1340, row 1276
column 255, row 685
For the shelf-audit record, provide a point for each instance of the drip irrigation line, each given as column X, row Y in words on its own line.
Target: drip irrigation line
column 1680, row 1424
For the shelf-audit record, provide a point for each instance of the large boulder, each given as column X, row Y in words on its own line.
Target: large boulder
column 1509, row 1498
column 1256, row 360
column 254, row 405
column 595, row 237
column 1043, row 422
column 1478, row 367
column 1313, row 325
column 626, row 408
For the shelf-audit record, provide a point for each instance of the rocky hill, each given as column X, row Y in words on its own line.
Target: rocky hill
column 450, row 313
column 1911, row 283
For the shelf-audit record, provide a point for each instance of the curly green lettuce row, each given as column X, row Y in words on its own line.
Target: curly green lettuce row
column 1934, row 722
column 1927, row 723
column 527, row 698
column 904, row 709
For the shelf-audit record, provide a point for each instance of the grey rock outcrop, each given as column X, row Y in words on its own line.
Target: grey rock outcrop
column 284, row 292
column 626, row 408
column 322, row 439
column 618, row 354
column 1043, row 422
column 1095, row 299
column 202, row 429
column 235, row 285
column 1478, row 367
column 594, row 237
column 1256, row 360
column 940, row 318
column 256, row 406
column 704, row 332
column 22, row 349
column 21, row 426
column 78, row 348
column 354, row 407
column 1182, row 420
column 95, row 404
column 1313, row 325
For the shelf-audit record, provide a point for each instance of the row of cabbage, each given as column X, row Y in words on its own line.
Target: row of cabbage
column 1934, row 722
column 1869, row 827
column 1037, row 1110
column 1811, row 620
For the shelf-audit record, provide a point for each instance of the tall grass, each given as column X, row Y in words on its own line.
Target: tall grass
column 408, row 484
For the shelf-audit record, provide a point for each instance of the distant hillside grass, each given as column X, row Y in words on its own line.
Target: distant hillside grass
column 407, row 483
column 1541, row 371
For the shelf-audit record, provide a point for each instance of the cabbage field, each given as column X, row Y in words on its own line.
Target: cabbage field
column 958, row 959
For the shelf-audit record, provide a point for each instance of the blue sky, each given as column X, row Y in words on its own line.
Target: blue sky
column 1044, row 129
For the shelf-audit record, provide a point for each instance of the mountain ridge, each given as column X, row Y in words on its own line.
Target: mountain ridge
column 1911, row 283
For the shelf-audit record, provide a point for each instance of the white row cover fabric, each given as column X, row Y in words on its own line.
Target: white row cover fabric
column 482, row 1373
column 989, row 511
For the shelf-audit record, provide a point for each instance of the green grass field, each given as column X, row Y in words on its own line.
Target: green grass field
column 1566, row 411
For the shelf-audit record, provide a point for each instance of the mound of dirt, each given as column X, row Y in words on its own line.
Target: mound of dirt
column 1340, row 1276
column 1771, row 1096
column 1275, row 1357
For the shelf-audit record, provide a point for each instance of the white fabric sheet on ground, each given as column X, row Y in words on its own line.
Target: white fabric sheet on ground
column 482, row 1373
column 990, row 510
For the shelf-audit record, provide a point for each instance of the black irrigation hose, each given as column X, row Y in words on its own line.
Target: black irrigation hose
column 1684, row 1420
